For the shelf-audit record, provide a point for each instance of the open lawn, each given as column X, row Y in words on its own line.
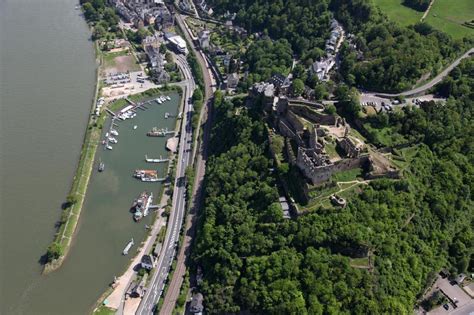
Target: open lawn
column 449, row 15
column 346, row 176
column 121, row 61
column 445, row 15
column 104, row 310
column 396, row 11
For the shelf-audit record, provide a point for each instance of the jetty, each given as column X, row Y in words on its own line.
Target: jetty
column 160, row 160
column 155, row 132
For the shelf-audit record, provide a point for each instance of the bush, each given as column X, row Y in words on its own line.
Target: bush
column 55, row 250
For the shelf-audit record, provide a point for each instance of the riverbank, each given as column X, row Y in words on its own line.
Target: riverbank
column 59, row 248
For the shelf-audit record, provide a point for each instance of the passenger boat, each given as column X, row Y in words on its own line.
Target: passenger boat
column 142, row 204
column 146, row 175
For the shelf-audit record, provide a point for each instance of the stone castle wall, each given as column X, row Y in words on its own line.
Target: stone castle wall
column 315, row 117
column 320, row 174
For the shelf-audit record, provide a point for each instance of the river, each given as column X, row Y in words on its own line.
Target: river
column 47, row 77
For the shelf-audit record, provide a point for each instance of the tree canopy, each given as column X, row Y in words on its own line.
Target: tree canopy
column 254, row 260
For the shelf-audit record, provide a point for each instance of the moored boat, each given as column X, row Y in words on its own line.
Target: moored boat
column 127, row 248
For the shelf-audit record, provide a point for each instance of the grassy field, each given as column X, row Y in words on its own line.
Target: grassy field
column 104, row 310
column 449, row 15
column 445, row 15
column 396, row 11
column 121, row 61
column 346, row 176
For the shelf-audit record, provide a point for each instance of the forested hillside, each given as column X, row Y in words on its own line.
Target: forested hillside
column 387, row 57
column 254, row 260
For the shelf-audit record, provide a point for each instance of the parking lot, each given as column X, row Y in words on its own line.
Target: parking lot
column 464, row 303
column 123, row 85
column 386, row 104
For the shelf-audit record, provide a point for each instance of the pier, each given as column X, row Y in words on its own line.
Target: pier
column 160, row 160
column 155, row 132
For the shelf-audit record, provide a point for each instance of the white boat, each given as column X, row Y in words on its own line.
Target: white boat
column 159, row 100
column 135, row 127
column 107, row 134
column 108, row 147
column 113, row 140
column 127, row 248
column 114, row 132
column 168, row 98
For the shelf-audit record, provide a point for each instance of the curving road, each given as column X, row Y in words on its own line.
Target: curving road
column 184, row 159
column 432, row 83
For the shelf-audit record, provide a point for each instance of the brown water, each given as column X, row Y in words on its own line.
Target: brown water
column 47, row 76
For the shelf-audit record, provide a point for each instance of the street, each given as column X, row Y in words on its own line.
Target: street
column 165, row 260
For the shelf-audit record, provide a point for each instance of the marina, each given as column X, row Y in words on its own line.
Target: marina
column 106, row 223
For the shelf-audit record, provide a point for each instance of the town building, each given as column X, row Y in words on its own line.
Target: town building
column 281, row 83
column 143, row 12
column 322, row 67
column 196, row 305
column 204, row 38
column 147, row 262
column 232, row 80
column 285, row 207
column 177, row 42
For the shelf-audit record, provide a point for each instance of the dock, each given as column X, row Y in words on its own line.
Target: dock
column 155, row 132
column 160, row 160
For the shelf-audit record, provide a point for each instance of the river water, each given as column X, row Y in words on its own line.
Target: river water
column 47, row 77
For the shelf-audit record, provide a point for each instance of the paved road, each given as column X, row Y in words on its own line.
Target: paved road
column 160, row 275
column 191, row 221
column 433, row 82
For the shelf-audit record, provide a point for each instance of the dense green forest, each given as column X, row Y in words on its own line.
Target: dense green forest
column 266, row 58
column 104, row 18
column 254, row 260
column 386, row 56
column 305, row 24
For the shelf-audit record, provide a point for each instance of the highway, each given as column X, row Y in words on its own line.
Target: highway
column 201, row 153
column 157, row 282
